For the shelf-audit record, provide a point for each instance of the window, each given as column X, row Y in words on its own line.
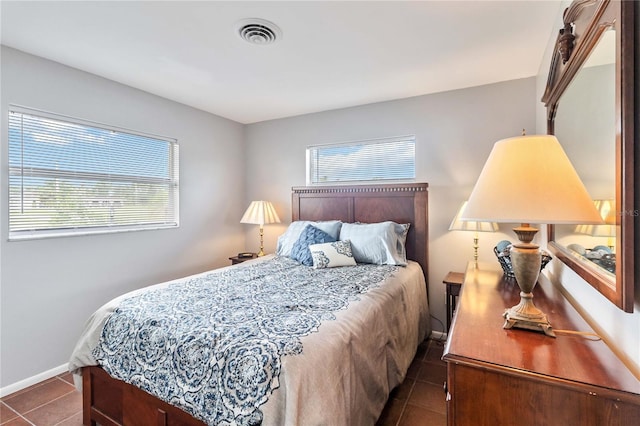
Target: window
column 370, row 160
column 68, row 176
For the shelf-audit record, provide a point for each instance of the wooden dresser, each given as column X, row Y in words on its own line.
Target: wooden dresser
column 520, row 377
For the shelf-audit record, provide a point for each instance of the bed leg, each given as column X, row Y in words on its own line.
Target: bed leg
column 87, row 401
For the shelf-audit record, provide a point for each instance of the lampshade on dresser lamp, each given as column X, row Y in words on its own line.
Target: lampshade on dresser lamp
column 260, row 213
column 457, row 224
column 607, row 210
column 529, row 179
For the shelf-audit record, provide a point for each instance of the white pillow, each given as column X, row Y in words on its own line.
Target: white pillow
column 331, row 255
column 291, row 235
column 380, row 243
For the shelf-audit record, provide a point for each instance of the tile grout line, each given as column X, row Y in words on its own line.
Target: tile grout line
column 18, row 415
column 35, row 386
column 74, row 390
column 413, row 385
column 50, row 401
column 31, row 389
column 27, row 420
column 22, row 415
column 66, row 382
column 64, row 420
column 404, row 404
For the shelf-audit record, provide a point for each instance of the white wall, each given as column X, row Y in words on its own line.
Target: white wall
column 621, row 330
column 455, row 132
column 49, row 287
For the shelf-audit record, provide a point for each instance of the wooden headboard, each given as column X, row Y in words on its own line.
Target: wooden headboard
column 401, row 203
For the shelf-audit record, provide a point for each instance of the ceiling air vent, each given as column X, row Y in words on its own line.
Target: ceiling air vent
column 259, row 31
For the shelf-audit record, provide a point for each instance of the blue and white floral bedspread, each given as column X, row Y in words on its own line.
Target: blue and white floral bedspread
column 213, row 344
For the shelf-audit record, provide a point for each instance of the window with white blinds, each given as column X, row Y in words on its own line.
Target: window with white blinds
column 68, row 176
column 369, row 160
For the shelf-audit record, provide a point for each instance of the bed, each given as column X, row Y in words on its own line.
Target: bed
column 326, row 360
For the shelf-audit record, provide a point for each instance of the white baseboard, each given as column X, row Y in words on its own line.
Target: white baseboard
column 22, row 384
column 438, row 335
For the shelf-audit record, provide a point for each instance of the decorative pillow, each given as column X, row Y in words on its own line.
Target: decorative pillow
column 331, row 255
column 310, row 235
column 291, row 235
column 380, row 243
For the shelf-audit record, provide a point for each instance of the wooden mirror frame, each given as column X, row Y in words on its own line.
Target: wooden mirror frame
column 584, row 23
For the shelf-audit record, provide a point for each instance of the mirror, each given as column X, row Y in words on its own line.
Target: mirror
column 591, row 113
column 591, row 146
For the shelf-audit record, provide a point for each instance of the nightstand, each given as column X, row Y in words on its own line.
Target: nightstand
column 235, row 259
column 453, row 281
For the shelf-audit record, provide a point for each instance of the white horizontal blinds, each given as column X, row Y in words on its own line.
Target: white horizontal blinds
column 73, row 177
column 370, row 160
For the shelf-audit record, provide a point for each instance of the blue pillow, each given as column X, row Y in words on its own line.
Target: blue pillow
column 289, row 238
column 309, row 235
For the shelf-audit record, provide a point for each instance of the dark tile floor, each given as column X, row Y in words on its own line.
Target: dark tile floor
column 52, row 402
column 419, row 400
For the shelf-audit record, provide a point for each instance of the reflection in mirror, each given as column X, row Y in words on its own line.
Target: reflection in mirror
column 585, row 124
column 595, row 243
column 595, row 125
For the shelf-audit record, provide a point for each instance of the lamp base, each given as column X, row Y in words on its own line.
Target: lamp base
column 526, row 260
column 526, row 315
column 261, row 252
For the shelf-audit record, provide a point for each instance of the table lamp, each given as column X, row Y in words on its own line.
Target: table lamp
column 529, row 179
column 457, row 224
column 260, row 213
column 607, row 211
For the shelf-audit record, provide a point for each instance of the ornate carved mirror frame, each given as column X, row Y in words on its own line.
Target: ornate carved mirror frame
column 585, row 21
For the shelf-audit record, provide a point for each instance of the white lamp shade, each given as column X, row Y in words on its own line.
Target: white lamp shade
column 260, row 213
column 529, row 179
column 457, row 224
column 607, row 211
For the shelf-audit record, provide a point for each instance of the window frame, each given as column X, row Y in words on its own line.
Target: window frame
column 172, row 181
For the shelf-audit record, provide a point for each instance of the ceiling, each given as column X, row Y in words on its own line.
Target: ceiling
column 331, row 54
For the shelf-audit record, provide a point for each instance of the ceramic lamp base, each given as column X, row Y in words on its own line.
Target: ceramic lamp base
column 261, row 252
column 526, row 315
column 526, row 260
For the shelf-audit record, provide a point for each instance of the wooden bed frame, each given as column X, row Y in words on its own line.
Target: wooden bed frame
column 109, row 401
